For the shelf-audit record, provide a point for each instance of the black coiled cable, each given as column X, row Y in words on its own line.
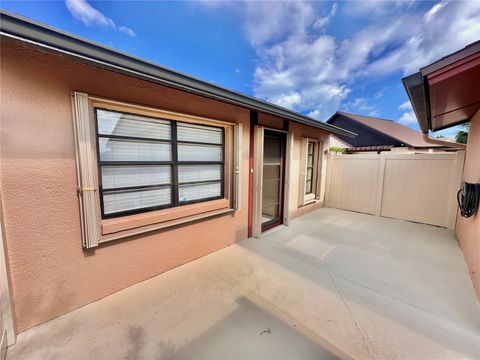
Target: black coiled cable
column 468, row 198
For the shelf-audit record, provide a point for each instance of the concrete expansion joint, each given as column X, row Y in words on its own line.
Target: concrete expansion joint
column 387, row 295
column 366, row 344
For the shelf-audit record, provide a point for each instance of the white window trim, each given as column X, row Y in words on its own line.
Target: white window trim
column 237, row 164
column 86, row 171
column 87, row 181
column 305, row 199
column 257, row 181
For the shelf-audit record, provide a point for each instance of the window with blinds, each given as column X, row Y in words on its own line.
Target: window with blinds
column 148, row 163
column 309, row 176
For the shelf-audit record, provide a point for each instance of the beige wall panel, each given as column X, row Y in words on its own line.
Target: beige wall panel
column 416, row 187
column 352, row 183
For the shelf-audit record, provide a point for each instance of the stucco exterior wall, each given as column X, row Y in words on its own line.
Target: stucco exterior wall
column 50, row 273
column 468, row 229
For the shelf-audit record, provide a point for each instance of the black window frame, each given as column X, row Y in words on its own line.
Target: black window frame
column 310, row 167
column 174, row 163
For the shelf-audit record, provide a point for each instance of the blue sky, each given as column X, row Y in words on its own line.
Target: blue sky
column 312, row 57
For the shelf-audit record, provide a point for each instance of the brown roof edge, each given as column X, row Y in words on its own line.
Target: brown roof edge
column 351, row 117
column 444, row 143
column 417, row 94
column 417, row 87
column 398, row 131
column 451, row 58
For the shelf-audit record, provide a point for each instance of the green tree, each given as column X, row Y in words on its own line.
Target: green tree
column 337, row 150
column 462, row 135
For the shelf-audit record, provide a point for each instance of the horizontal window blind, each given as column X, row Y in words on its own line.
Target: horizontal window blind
column 199, row 191
column 121, row 124
column 148, row 164
column 125, row 200
column 135, row 175
column 133, row 150
column 200, row 144
column 192, row 173
column 199, row 134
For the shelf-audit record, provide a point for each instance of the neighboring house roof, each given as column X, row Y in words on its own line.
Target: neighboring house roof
column 445, row 93
column 51, row 39
column 370, row 148
column 375, row 132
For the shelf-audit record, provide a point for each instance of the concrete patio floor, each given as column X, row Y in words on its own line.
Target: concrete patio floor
column 334, row 284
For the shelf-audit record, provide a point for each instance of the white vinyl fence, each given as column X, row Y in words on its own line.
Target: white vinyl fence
column 416, row 187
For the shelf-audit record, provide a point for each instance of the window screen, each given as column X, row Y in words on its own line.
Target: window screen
column 147, row 163
column 309, row 175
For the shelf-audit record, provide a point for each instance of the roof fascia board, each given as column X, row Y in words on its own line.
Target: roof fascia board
column 417, row 94
column 32, row 32
column 452, row 58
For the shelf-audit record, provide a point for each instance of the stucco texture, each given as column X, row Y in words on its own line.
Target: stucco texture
column 468, row 229
column 50, row 272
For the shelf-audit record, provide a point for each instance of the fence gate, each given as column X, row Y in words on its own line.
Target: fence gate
column 416, row 187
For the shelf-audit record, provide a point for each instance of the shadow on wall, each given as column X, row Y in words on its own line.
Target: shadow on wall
column 36, row 302
column 56, row 339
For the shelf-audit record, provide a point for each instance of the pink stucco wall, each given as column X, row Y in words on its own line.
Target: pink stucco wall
column 468, row 229
column 50, row 273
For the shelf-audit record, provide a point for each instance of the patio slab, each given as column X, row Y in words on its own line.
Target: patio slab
column 333, row 285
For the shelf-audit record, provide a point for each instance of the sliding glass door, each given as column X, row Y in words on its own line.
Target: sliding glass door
column 273, row 174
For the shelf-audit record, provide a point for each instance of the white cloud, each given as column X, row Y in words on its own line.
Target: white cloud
column 405, row 106
column 267, row 21
column 302, row 66
column 378, row 94
column 127, row 31
column 362, row 106
column 324, row 21
column 295, row 69
column 84, row 12
column 87, row 14
column 378, row 8
column 445, row 28
column 288, row 100
column 408, row 118
column 430, row 14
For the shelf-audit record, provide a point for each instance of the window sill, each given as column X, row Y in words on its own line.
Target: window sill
column 162, row 218
column 164, row 225
column 309, row 198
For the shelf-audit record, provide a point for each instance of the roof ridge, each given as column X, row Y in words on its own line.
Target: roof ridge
column 367, row 116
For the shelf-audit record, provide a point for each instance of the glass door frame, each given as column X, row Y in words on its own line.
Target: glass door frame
column 282, row 136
